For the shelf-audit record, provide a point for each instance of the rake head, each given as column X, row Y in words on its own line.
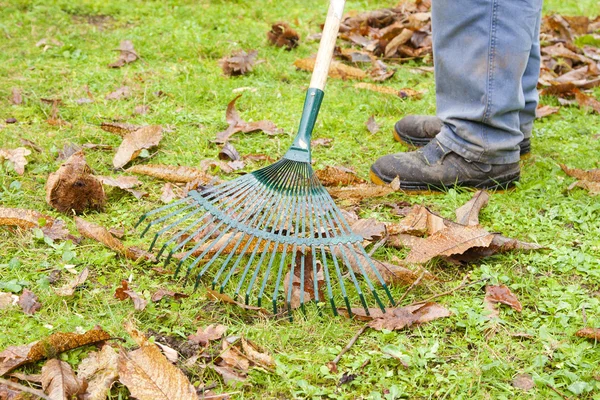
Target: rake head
column 246, row 234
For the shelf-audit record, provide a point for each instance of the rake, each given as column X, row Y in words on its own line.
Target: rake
column 250, row 231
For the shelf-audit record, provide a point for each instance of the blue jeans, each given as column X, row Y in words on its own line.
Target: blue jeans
column 487, row 62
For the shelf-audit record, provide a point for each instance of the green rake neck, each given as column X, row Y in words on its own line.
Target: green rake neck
column 300, row 149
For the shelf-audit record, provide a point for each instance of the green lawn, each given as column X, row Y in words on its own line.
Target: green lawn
column 180, row 43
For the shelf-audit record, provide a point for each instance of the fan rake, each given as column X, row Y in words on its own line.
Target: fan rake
column 254, row 229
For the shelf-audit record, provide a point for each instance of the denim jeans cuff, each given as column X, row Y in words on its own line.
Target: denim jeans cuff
column 507, row 158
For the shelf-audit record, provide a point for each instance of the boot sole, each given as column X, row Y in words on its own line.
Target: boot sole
column 410, row 141
column 501, row 183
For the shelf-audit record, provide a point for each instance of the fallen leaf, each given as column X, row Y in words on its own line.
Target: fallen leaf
column 523, row 382
column 369, row 228
column 592, row 187
column 7, row 300
column 468, row 214
column 148, row 374
column 337, row 70
column 338, row 176
column 454, row 239
column 172, row 173
column 123, row 292
column 16, row 97
column 589, row 333
column 99, row 370
column 34, row 146
column 57, row 230
column 399, row 318
column 281, row 35
column 161, row 293
column 586, row 101
column 325, row 142
column 544, row 111
column 228, row 152
column 372, row 126
column 22, row 218
column 133, row 143
column 211, row 332
column 121, row 93
column 59, row 380
column 402, row 93
column 10, row 393
column 141, row 109
column 238, row 63
column 29, row 303
column 73, row 188
column 257, row 355
column 102, row 235
column 127, row 54
column 15, row 356
column 303, row 282
column 237, row 124
column 16, row 158
column 168, row 195
column 230, row 377
column 126, row 183
column 357, row 193
column 587, row 175
column 213, row 294
column 119, row 128
column 502, row 294
column 69, row 288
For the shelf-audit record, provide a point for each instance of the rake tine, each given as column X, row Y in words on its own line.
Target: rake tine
column 361, row 296
column 379, row 277
column 291, row 283
column 341, row 280
column 266, row 277
column 163, row 218
column 158, row 210
column 366, row 277
column 277, row 282
column 172, row 225
column 186, row 230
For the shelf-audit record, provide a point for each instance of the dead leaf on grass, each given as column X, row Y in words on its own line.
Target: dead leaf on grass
column 399, row 318
column 281, row 35
column 502, row 294
column 592, row 187
column 99, row 370
column 402, row 93
column 337, row 70
column 586, row 101
column 589, row 333
column 172, row 173
column 31, row 144
column 357, row 193
column 325, row 142
column 238, row 63
column 126, row 183
column 523, row 382
column 228, row 152
column 121, row 93
column 167, row 193
column 16, row 97
column 29, row 303
column 7, row 300
column 119, row 128
column 208, row 334
column 468, row 213
column 127, row 54
column 16, row 158
column 161, row 293
column 372, row 125
column 142, row 109
column 133, row 143
column 148, row 374
column 215, row 295
column 587, row 175
column 369, row 228
column 544, row 111
column 59, row 380
column 303, row 282
column 338, row 176
column 237, row 124
column 73, row 188
column 123, row 292
column 69, row 288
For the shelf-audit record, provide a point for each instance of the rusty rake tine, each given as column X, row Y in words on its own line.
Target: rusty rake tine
column 158, row 210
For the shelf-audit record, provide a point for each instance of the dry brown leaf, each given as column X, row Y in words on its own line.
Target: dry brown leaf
column 167, row 194
column 133, row 143
column 160, row 293
column 16, row 158
column 213, row 294
column 587, row 175
column 256, row 355
column 22, row 218
column 303, row 290
column 10, row 393
column 402, row 93
column 230, row 376
column 16, row 97
column 119, row 128
column 121, row 93
column 544, row 111
column 228, row 152
column 59, row 380
column 123, row 292
column 7, row 300
column 148, row 374
column 399, row 318
column 28, row 302
column 325, row 142
column 142, row 109
column 589, row 333
column 502, row 294
column 127, row 54
column 15, row 356
column 499, row 244
column 99, row 370
column 468, row 214
column 126, row 183
column 372, row 125
column 592, row 187
column 418, row 222
column 586, row 101
column 73, row 188
column 102, row 235
column 454, row 239
column 369, row 228
column 281, row 35
column 211, row 332
column 238, row 63
column 403, row 37
column 357, row 193
column 338, row 176
column 523, row 382
column 69, row 288
column 172, row 173
column 237, row 124
column 336, row 69
column 34, row 146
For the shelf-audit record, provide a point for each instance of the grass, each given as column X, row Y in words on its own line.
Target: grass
column 180, row 43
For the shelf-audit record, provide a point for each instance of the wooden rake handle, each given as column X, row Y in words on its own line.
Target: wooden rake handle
column 328, row 38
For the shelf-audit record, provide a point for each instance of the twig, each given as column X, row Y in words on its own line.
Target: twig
column 462, row 285
column 24, row 388
column 350, row 344
column 558, row 392
column 415, row 283
column 377, row 245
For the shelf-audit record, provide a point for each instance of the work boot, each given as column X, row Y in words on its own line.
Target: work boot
column 436, row 167
column 418, row 130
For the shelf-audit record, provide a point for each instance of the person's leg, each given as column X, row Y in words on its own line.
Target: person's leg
column 482, row 48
